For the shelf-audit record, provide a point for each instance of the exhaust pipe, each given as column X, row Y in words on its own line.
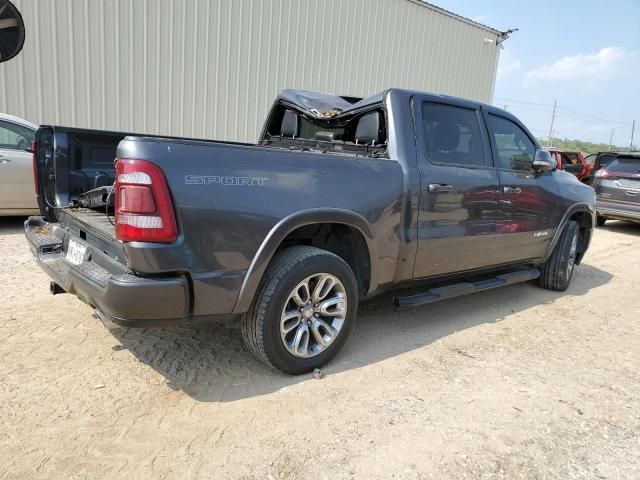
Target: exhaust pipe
column 55, row 289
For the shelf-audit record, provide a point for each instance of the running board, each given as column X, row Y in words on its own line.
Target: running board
column 464, row 288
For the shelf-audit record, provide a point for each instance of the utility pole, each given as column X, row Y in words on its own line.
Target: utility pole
column 553, row 117
column 633, row 127
column 611, row 138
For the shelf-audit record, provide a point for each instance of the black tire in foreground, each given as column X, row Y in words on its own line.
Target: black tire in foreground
column 556, row 272
column 304, row 310
column 600, row 220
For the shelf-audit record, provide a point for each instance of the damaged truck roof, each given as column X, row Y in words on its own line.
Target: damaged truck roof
column 325, row 105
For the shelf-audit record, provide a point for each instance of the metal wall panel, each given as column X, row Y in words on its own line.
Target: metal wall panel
column 211, row 69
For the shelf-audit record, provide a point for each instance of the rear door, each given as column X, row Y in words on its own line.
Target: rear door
column 528, row 201
column 16, row 167
column 458, row 197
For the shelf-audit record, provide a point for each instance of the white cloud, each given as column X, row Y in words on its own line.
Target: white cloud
column 508, row 63
column 581, row 65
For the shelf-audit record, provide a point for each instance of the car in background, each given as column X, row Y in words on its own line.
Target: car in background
column 17, row 192
column 596, row 161
column 572, row 162
column 617, row 187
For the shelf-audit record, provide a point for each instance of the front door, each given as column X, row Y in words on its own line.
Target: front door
column 16, row 168
column 458, row 197
column 528, row 201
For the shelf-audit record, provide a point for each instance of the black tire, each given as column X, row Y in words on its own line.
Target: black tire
column 556, row 272
column 261, row 324
column 600, row 220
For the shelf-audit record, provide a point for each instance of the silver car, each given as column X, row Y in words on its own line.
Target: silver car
column 17, row 193
column 617, row 187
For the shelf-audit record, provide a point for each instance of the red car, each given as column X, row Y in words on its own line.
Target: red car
column 572, row 162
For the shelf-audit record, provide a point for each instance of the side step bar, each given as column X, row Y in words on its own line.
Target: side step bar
column 464, row 288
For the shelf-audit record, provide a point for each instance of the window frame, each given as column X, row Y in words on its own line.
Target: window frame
column 419, row 102
column 494, row 147
column 6, row 125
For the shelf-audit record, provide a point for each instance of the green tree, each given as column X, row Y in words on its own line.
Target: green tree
column 581, row 145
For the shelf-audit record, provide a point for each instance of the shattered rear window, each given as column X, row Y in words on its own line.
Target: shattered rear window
column 308, row 129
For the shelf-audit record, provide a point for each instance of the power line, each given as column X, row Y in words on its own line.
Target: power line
column 563, row 113
column 523, row 107
column 502, row 99
column 537, row 129
column 564, row 110
column 591, row 118
column 520, row 92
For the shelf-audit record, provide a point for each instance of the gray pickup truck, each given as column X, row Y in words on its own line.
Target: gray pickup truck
column 341, row 199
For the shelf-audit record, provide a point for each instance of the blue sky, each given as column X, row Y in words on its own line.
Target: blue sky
column 585, row 54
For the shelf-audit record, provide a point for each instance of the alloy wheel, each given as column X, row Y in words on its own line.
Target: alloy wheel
column 313, row 315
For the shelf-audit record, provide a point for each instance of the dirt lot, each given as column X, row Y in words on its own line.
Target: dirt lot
column 513, row 383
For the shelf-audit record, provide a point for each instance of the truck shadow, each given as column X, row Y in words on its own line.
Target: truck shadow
column 211, row 363
column 625, row 228
column 11, row 225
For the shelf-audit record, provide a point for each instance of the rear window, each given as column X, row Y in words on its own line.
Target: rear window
column 625, row 165
column 452, row 134
column 308, row 130
column 606, row 159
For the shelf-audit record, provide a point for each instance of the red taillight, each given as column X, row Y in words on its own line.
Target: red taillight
column 136, row 199
column 34, row 160
column 144, row 211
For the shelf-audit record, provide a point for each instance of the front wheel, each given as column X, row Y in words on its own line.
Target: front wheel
column 304, row 310
column 600, row 220
column 556, row 272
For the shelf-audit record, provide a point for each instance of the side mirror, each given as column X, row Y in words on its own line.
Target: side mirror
column 11, row 31
column 543, row 161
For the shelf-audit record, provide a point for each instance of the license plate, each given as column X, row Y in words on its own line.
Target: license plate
column 75, row 252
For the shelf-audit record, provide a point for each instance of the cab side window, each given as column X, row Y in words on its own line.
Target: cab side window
column 514, row 148
column 452, row 135
column 15, row 137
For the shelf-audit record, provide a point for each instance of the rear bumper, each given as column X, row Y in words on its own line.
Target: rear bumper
column 619, row 211
column 114, row 291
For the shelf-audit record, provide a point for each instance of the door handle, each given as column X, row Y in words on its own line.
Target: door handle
column 439, row 187
column 4, row 160
column 511, row 190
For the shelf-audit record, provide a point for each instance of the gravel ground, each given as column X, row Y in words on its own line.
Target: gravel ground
column 513, row 383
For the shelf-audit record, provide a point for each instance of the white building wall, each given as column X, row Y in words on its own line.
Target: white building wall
column 211, row 68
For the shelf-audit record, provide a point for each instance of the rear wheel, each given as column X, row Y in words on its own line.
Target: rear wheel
column 600, row 220
column 304, row 310
column 557, row 271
